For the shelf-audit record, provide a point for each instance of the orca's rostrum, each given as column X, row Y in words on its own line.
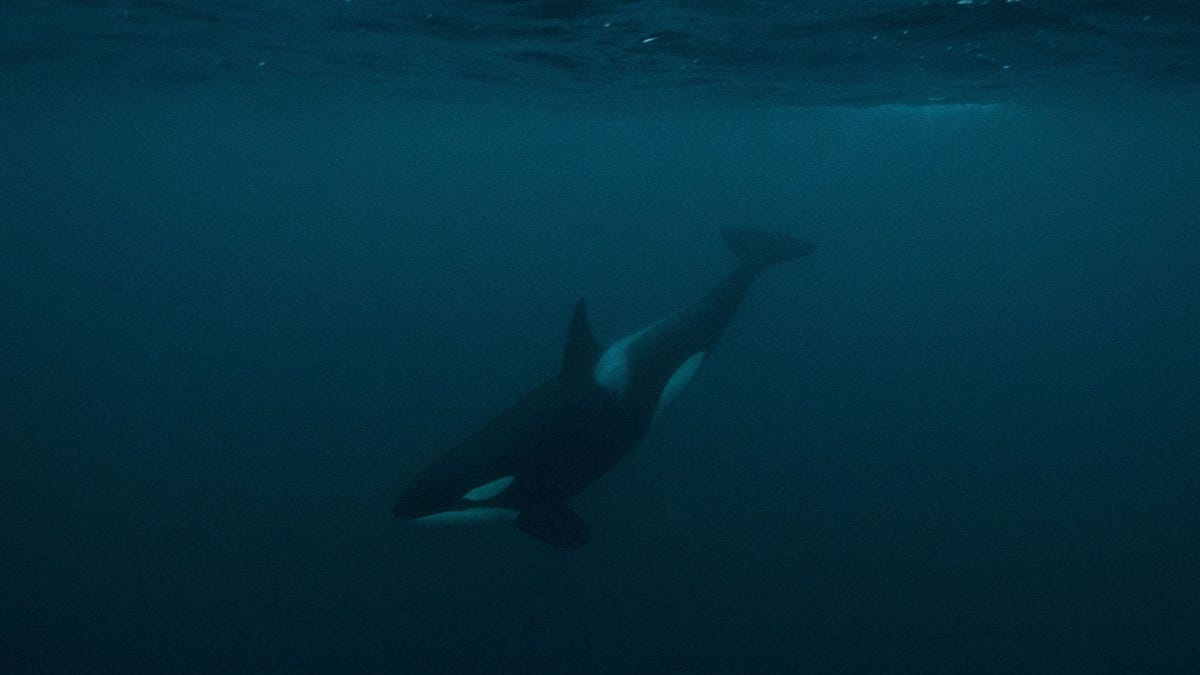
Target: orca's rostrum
column 549, row 445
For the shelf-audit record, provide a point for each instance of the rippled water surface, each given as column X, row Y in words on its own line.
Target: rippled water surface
column 815, row 51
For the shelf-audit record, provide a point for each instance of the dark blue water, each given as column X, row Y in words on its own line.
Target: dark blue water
column 241, row 304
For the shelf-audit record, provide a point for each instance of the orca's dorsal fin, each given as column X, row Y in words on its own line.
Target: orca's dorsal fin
column 581, row 351
column 553, row 523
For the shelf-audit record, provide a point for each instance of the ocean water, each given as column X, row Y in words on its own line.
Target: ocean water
column 260, row 261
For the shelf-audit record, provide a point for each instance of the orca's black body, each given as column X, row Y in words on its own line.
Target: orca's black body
column 553, row 442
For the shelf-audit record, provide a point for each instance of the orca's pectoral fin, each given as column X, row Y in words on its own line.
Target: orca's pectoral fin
column 555, row 524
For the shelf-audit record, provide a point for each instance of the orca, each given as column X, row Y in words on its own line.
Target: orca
column 525, row 463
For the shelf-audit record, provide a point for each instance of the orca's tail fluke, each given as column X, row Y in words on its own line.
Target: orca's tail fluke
column 759, row 248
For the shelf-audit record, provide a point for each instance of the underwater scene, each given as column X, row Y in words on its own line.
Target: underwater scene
column 594, row 336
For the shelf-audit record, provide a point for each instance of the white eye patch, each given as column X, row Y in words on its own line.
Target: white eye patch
column 488, row 490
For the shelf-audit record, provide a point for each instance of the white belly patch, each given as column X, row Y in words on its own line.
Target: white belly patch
column 482, row 514
column 679, row 379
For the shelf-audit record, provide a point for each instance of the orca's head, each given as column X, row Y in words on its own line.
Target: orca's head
column 424, row 503
column 414, row 503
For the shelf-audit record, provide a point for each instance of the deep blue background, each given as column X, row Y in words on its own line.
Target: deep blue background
column 962, row 436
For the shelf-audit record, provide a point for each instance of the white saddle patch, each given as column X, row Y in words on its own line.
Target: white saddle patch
column 480, row 514
column 679, row 379
column 488, row 490
column 612, row 368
